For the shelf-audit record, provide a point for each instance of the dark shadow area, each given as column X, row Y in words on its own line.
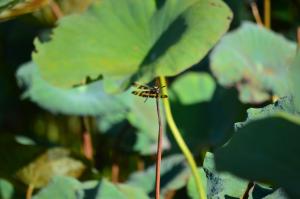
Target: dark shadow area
column 207, row 124
column 260, row 192
column 168, row 38
column 172, row 34
column 91, row 193
column 160, row 4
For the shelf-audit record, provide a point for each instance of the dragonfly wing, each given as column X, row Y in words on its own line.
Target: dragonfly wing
column 142, row 87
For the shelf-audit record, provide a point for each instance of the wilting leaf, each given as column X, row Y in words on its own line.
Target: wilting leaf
column 67, row 7
column 218, row 184
column 265, row 150
column 123, row 38
column 256, row 61
column 13, row 8
column 55, row 162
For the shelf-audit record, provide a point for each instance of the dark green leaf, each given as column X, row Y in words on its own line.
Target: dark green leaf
column 206, row 124
column 265, row 149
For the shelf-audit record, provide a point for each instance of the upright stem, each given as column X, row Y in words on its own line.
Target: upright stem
column 159, row 152
column 29, row 191
column 298, row 36
column 56, row 9
column 180, row 141
column 256, row 14
column 267, row 7
column 87, row 144
column 115, row 172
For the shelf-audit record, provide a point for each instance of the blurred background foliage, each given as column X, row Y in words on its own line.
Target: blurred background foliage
column 123, row 144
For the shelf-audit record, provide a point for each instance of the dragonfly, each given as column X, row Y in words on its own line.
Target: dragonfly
column 148, row 91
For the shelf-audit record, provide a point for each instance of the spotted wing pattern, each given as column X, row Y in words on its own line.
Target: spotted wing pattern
column 142, row 87
column 151, row 94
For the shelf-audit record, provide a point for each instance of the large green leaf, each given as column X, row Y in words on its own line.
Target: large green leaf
column 256, row 61
column 12, row 8
column 123, row 38
column 218, row 184
column 6, row 189
column 174, row 175
column 55, row 162
column 265, row 150
column 82, row 100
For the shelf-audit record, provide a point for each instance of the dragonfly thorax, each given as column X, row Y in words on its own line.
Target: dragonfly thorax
column 155, row 89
